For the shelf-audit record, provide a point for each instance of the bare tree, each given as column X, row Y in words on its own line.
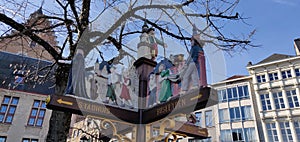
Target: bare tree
column 75, row 23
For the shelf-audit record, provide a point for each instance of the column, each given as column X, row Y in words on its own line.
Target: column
column 265, row 131
column 293, row 71
column 278, row 131
column 255, row 83
column 272, row 100
column 258, row 100
column 294, row 74
column 286, row 102
column 254, row 78
column 293, row 130
column 267, row 75
column 297, row 91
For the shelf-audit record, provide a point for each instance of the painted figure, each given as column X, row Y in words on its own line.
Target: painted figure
column 125, row 94
column 76, row 82
column 144, row 46
column 153, row 43
column 152, row 90
column 192, row 66
column 111, row 85
column 165, row 91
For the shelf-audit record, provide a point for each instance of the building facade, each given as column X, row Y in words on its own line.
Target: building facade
column 236, row 118
column 206, row 118
column 23, row 113
column 276, row 88
column 25, row 85
column 23, row 116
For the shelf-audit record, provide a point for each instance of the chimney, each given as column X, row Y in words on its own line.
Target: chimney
column 297, row 46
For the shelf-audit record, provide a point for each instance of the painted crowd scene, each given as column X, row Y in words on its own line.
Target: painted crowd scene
column 117, row 84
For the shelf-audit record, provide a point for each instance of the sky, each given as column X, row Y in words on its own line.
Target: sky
column 277, row 24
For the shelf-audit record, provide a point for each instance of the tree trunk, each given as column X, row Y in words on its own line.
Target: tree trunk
column 60, row 121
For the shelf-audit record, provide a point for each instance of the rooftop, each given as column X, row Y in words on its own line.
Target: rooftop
column 18, row 72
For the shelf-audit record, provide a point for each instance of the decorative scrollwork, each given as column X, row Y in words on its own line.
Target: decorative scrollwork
column 107, row 124
column 175, row 136
column 167, row 123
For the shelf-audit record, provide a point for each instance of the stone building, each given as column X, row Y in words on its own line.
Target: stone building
column 276, row 88
column 22, row 45
column 23, row 88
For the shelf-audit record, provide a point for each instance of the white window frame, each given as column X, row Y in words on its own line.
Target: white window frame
column 280, row 101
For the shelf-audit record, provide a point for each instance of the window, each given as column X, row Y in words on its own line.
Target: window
column 297, row 71
column 250, row 135
column 224, row 115
column 222, row 95
column 292, row 98
column 75, row 134
column 239, row 113
column 208, row 119
column 278, row 98
column 226, row 136
column 297, row 128
column 243, row 92
column 246, row 112
column 235, row 114
column 32, row 44
column 2, row 139
column 8, row 109
column 286, row 74
column 286, row 131
column 272, row 133
column 237, row 135
column 233, row 93
column 261, row 78
column 273, row 76
column 229, row 94
column 265, row 101
column 29, row 140
column 37, row 113
column 198, row 117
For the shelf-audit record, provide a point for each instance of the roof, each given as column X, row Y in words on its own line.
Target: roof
column 38, row 12
column 13, row 69
column 235, row 77
column 274, row 57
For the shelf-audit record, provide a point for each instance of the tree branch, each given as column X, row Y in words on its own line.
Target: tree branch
column 23, row 30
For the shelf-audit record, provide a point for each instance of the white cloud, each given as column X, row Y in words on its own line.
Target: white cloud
column 286, row 2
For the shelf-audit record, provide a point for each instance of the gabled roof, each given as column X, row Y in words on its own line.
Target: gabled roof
column 274, row 57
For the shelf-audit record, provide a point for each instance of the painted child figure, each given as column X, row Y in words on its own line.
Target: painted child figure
column 125, row 94
column 152, row 90
column 165, row 91
column 111, row 82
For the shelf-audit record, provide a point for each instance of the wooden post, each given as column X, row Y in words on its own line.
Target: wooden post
column 144, row 67
column 203, row 79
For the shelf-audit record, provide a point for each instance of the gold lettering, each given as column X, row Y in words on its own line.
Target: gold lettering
column 165, row 109
column 93, row 108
